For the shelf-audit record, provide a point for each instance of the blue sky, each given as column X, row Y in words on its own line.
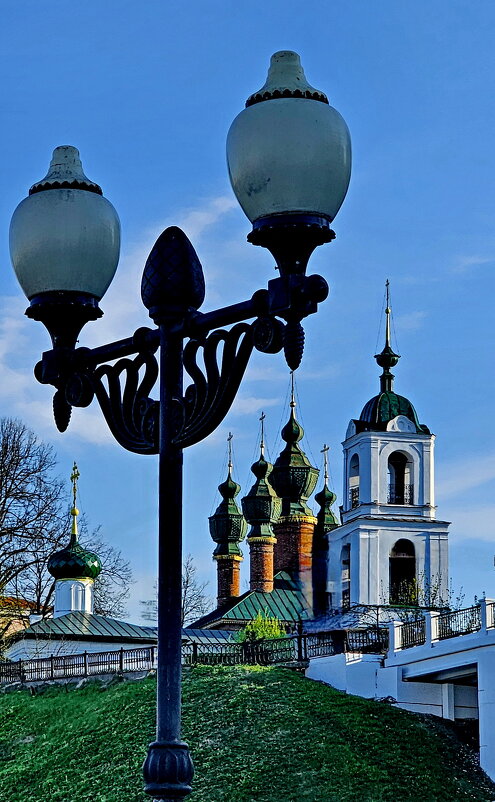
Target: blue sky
column 147, row 92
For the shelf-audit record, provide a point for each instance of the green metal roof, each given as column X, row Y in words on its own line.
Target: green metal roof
column 286, row 602
column 88, row 626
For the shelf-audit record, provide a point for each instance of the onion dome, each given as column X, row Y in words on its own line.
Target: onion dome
column 227, row 524
column 387, row 405
column 326, row 518
column 74, row 562
column 261, row 506
column 293, row 477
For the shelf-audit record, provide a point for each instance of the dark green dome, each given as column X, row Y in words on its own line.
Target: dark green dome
column 386, row 406
column 74, row 562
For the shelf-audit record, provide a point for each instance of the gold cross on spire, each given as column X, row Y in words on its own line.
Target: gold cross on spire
column 387, row 313
column 262, row 443
column 229, row 441
column 292, row 393
column 325, row 451
column 74, row 477
column 74, row 511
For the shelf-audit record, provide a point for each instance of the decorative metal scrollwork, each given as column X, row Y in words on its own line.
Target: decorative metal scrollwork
column 215, row 362
column 210, row 395
column 130, row 413
column 122, row 391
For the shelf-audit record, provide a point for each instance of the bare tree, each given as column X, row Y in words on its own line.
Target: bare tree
column 35, row 522
column 31, row 499
column 195, row 601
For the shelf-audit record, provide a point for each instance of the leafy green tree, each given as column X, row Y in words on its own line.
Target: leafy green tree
column 262, row 627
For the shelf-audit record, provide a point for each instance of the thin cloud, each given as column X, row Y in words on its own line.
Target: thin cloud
column 411, row 321
column 466, row 264
column 476, row 523
column 465, row 475
column 248, row 405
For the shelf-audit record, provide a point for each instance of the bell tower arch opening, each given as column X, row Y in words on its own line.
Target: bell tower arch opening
column 402, row 572
column 345, row 576
column 354, row 482
column 400, row 478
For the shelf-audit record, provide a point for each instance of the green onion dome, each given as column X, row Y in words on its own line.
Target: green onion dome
column 227, row 525
column 74, row 562
column 326, row 518
column 293, row 477
column 261, row 506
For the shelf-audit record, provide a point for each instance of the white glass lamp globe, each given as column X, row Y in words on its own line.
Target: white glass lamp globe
column 289, row 151
column 65, row 236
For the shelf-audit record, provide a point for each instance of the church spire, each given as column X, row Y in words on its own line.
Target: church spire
column 325, row 499
column 227, row 528
column 261, row 508
column 387, row 358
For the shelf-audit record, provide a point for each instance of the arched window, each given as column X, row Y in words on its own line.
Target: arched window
column 345, row 574
column 354, row 482
column 403, row 573
column 77, row 596
column 400, row 482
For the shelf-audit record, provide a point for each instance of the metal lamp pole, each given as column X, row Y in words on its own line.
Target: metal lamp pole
column 289, row 164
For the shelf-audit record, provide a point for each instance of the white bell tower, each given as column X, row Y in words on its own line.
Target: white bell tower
column 390, row 548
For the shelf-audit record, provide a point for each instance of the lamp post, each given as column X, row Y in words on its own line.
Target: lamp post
column 288, row 155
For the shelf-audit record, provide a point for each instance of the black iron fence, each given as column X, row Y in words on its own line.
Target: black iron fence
column 78, row 665
column 292, row 649
column 459, row 622
column 413, row 633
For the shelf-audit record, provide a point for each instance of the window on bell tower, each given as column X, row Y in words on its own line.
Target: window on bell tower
column 354, row 482
column 345, row 563
column 402, row 562
column 400, row 483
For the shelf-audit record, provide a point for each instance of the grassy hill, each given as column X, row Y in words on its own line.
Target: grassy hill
column 257, row 735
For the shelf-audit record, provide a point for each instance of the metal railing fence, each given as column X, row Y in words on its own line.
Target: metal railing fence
column 459, row 622
column 413, row 633
column 296, row 648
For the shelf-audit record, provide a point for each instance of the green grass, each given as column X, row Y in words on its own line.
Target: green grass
column 257, row 735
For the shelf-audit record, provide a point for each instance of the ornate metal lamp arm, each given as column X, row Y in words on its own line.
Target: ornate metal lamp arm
column 215, row 360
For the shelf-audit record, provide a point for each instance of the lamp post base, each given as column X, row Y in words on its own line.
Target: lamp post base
column 168, row 771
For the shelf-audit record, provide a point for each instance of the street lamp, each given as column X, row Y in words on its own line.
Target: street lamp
column 288, row 154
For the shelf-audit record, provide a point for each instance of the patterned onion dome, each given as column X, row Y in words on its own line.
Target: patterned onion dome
column 261, row 506
column 227, row 525
column 293, row 477
column 326, row 518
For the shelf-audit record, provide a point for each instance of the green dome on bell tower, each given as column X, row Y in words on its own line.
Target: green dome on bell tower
column 387, row 405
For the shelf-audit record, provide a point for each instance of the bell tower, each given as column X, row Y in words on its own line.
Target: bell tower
column 390, row 548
